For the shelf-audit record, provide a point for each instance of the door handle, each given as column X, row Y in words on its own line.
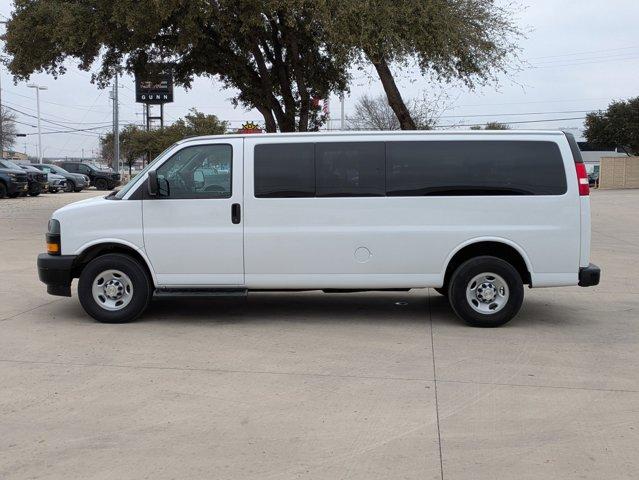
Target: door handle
column 236, row 213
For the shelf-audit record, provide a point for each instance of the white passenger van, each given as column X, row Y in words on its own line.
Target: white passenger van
column 475, row 215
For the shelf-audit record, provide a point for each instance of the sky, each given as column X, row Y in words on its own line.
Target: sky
column 580, row 56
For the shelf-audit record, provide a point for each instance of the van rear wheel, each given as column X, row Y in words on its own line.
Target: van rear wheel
column 486, row 291
column 114, row 288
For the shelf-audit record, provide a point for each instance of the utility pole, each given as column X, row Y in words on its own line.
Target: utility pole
column 342, row 117
column 116, row 127
column 37, row 89
column 1, row 112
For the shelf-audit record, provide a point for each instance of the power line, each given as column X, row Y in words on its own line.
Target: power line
column 588, row 58
column 515, row 114
column 516, row 123
column 66, row 105
column 586, row 52
column 534, row 67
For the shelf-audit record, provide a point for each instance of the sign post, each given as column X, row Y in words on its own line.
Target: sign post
column 157, row 91
column 154, row 90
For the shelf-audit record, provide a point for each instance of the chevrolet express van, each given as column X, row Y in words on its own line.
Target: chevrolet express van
column 475, row 215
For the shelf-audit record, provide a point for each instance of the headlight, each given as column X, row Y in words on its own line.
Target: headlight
column 13, row 176
column 53, row 237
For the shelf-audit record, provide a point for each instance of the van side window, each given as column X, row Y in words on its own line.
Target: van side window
column 284, row 170
column 350, row 169
column 200, row 171
column 474, row 168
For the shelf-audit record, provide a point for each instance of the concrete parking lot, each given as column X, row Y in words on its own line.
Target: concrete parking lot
column 361, row 386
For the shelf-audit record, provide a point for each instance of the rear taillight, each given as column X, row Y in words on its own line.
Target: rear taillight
column 582, row 178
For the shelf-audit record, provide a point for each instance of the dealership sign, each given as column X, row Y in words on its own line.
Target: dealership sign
column 156, row 91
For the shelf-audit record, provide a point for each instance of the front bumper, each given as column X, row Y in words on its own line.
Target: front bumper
column 56, row 271
column 17, row 187
column 589, row 276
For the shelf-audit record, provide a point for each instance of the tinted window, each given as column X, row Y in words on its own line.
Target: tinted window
column 202, row 171
column 85, row 169
column 284, row 170
column 474, row 168
column 350, row 169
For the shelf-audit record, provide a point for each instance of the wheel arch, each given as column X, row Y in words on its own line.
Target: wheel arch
column 496, row 247
column 94, row 250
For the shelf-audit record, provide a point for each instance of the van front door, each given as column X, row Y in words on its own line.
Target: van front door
column 193, row 230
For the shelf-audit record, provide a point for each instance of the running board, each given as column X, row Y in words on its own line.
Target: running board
column 200, row 292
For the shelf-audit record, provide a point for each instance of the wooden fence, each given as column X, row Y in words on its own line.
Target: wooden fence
column 619, row 172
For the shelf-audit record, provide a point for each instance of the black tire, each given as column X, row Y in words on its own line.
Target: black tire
column 101, row 184
column 442, row 291
column 3, row 190
column 35, row 189
column 70, row 186
column 466, row 272
column 141, row 288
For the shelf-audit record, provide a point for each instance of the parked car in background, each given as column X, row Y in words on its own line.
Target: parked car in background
column 593, row 176
column 100, row 179
column 38, row 180
column 75, row 182
column 56, row 182
column 13, row 180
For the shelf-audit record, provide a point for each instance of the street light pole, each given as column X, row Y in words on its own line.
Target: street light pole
column 2, row 22
column 37, row 89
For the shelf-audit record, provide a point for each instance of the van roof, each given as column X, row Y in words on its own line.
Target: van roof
column 373, row 133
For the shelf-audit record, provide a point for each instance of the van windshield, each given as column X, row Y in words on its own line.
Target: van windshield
column 125, row 189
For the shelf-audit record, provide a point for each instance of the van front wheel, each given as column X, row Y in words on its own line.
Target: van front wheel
column 114, row 288
column 486, row 292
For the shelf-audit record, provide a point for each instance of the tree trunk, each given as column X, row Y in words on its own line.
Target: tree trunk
column 395, row 100
column 269, row 121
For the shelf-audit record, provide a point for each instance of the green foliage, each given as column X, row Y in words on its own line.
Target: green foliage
column 274, row 52
column 468, row 40
column 618, row 126
column 471, row 41
column 9, row 129
column 136, row 142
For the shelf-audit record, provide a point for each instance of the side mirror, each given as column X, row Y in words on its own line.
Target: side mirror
column 152, row 183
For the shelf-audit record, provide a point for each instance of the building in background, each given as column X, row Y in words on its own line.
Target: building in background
column 13, row 156
column 592, row 154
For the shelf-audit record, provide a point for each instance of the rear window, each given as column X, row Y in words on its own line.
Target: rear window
column 284, row 170
column 474, row 168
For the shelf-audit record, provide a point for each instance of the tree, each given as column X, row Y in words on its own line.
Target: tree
column 133, row 144
column 374, row 113
column 618, row 126
column 467, row 40
column 9, row 129
column 491, row 126
column 274, row 52
column 137, row 143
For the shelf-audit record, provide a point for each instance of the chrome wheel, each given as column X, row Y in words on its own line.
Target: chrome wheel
column 112, row 290
column 487, row 293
